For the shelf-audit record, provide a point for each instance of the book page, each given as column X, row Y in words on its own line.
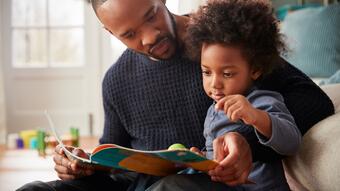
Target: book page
column 69, row 154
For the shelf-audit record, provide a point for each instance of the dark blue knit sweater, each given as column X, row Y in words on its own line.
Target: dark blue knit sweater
column 150, row 105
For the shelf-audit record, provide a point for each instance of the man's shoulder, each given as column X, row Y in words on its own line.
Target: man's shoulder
column 123, row 63
column 125, row 59
column 283, row 76
column 118, row 69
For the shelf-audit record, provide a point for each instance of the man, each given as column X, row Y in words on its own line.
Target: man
column 153, row 98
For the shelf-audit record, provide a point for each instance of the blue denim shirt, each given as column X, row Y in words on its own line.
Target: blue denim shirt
column 285, row 138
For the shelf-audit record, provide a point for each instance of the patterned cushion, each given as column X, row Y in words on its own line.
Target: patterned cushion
column 313, row 37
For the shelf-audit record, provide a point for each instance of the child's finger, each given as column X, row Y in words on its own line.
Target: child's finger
column 194, row 149
column 231, row 100
column 236, row 114
column 220, row 103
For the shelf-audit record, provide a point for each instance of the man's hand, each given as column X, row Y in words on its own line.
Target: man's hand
column 235, row 160
column 68, row 170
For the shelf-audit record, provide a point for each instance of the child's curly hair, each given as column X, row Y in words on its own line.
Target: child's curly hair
column 248, row 24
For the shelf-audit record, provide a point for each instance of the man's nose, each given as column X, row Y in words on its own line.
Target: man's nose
column 150, row 36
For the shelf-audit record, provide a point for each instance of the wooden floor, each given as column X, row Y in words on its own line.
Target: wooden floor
column 18, row 167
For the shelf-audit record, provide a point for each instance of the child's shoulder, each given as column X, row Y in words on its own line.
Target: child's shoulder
column 265, row 97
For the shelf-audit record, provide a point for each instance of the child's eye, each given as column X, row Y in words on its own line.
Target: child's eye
column 228, row 74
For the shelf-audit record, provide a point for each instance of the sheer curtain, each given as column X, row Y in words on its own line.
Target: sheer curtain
column 183, row 7
column 186, row 7
column 2, row 109
column 2, row 94
column 2, row 104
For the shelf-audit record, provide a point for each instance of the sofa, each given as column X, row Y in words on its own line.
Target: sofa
column 313, row 38
column 316, row 166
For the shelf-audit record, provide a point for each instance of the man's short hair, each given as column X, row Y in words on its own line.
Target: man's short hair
column 96, row 4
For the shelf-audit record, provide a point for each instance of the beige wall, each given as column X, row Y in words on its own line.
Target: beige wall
column 2, row 94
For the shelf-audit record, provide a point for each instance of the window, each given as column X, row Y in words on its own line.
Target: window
column 173, row 6
column 47, row 33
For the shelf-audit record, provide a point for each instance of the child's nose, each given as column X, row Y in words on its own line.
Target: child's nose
column 216, row 82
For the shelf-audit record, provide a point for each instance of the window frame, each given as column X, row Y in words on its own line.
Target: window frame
column 48, row 30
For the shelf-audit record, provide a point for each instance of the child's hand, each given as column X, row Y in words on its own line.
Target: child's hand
column 196, row 150
column 237, row 107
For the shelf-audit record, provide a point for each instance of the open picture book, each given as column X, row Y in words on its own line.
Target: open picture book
column 158, row 163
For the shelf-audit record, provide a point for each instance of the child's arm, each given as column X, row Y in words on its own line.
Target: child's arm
column 237, row 107
column 275, row 120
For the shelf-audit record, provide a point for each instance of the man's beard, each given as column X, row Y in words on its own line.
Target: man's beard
column 172, row 38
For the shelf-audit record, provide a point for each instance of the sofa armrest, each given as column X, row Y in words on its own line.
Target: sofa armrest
column 316, row 165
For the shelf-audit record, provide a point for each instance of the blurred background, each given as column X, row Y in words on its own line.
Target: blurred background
column 53, row 56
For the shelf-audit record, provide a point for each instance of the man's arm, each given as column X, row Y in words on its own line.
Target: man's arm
column 233, row 153
column 304, row 99
column 307, row 103
column 114, row 131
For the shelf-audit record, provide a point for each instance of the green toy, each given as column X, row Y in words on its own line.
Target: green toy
column 177, row 146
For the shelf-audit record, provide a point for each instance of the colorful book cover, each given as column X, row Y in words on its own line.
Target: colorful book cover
column 158, row 163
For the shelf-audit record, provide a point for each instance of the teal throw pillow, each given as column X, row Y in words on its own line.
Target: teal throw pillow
column 313, row 38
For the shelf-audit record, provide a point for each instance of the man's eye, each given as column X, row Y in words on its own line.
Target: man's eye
column 130, row 35
column 206, row 73
column 228, row 74
column 151, row 18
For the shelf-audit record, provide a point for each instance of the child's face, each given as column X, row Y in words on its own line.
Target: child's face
column 225, row 71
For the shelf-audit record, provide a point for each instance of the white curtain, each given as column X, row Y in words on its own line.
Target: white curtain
column 2, row 106
column 2, row 93
column 188, row 6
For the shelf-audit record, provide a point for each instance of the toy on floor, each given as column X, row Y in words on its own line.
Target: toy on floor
column 40, row 140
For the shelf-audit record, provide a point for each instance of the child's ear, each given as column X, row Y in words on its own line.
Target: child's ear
column 255, row 74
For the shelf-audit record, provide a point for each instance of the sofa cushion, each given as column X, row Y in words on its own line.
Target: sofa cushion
column 335, row 78
column 313, row 37
column 333, row 91
column 315, row 166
